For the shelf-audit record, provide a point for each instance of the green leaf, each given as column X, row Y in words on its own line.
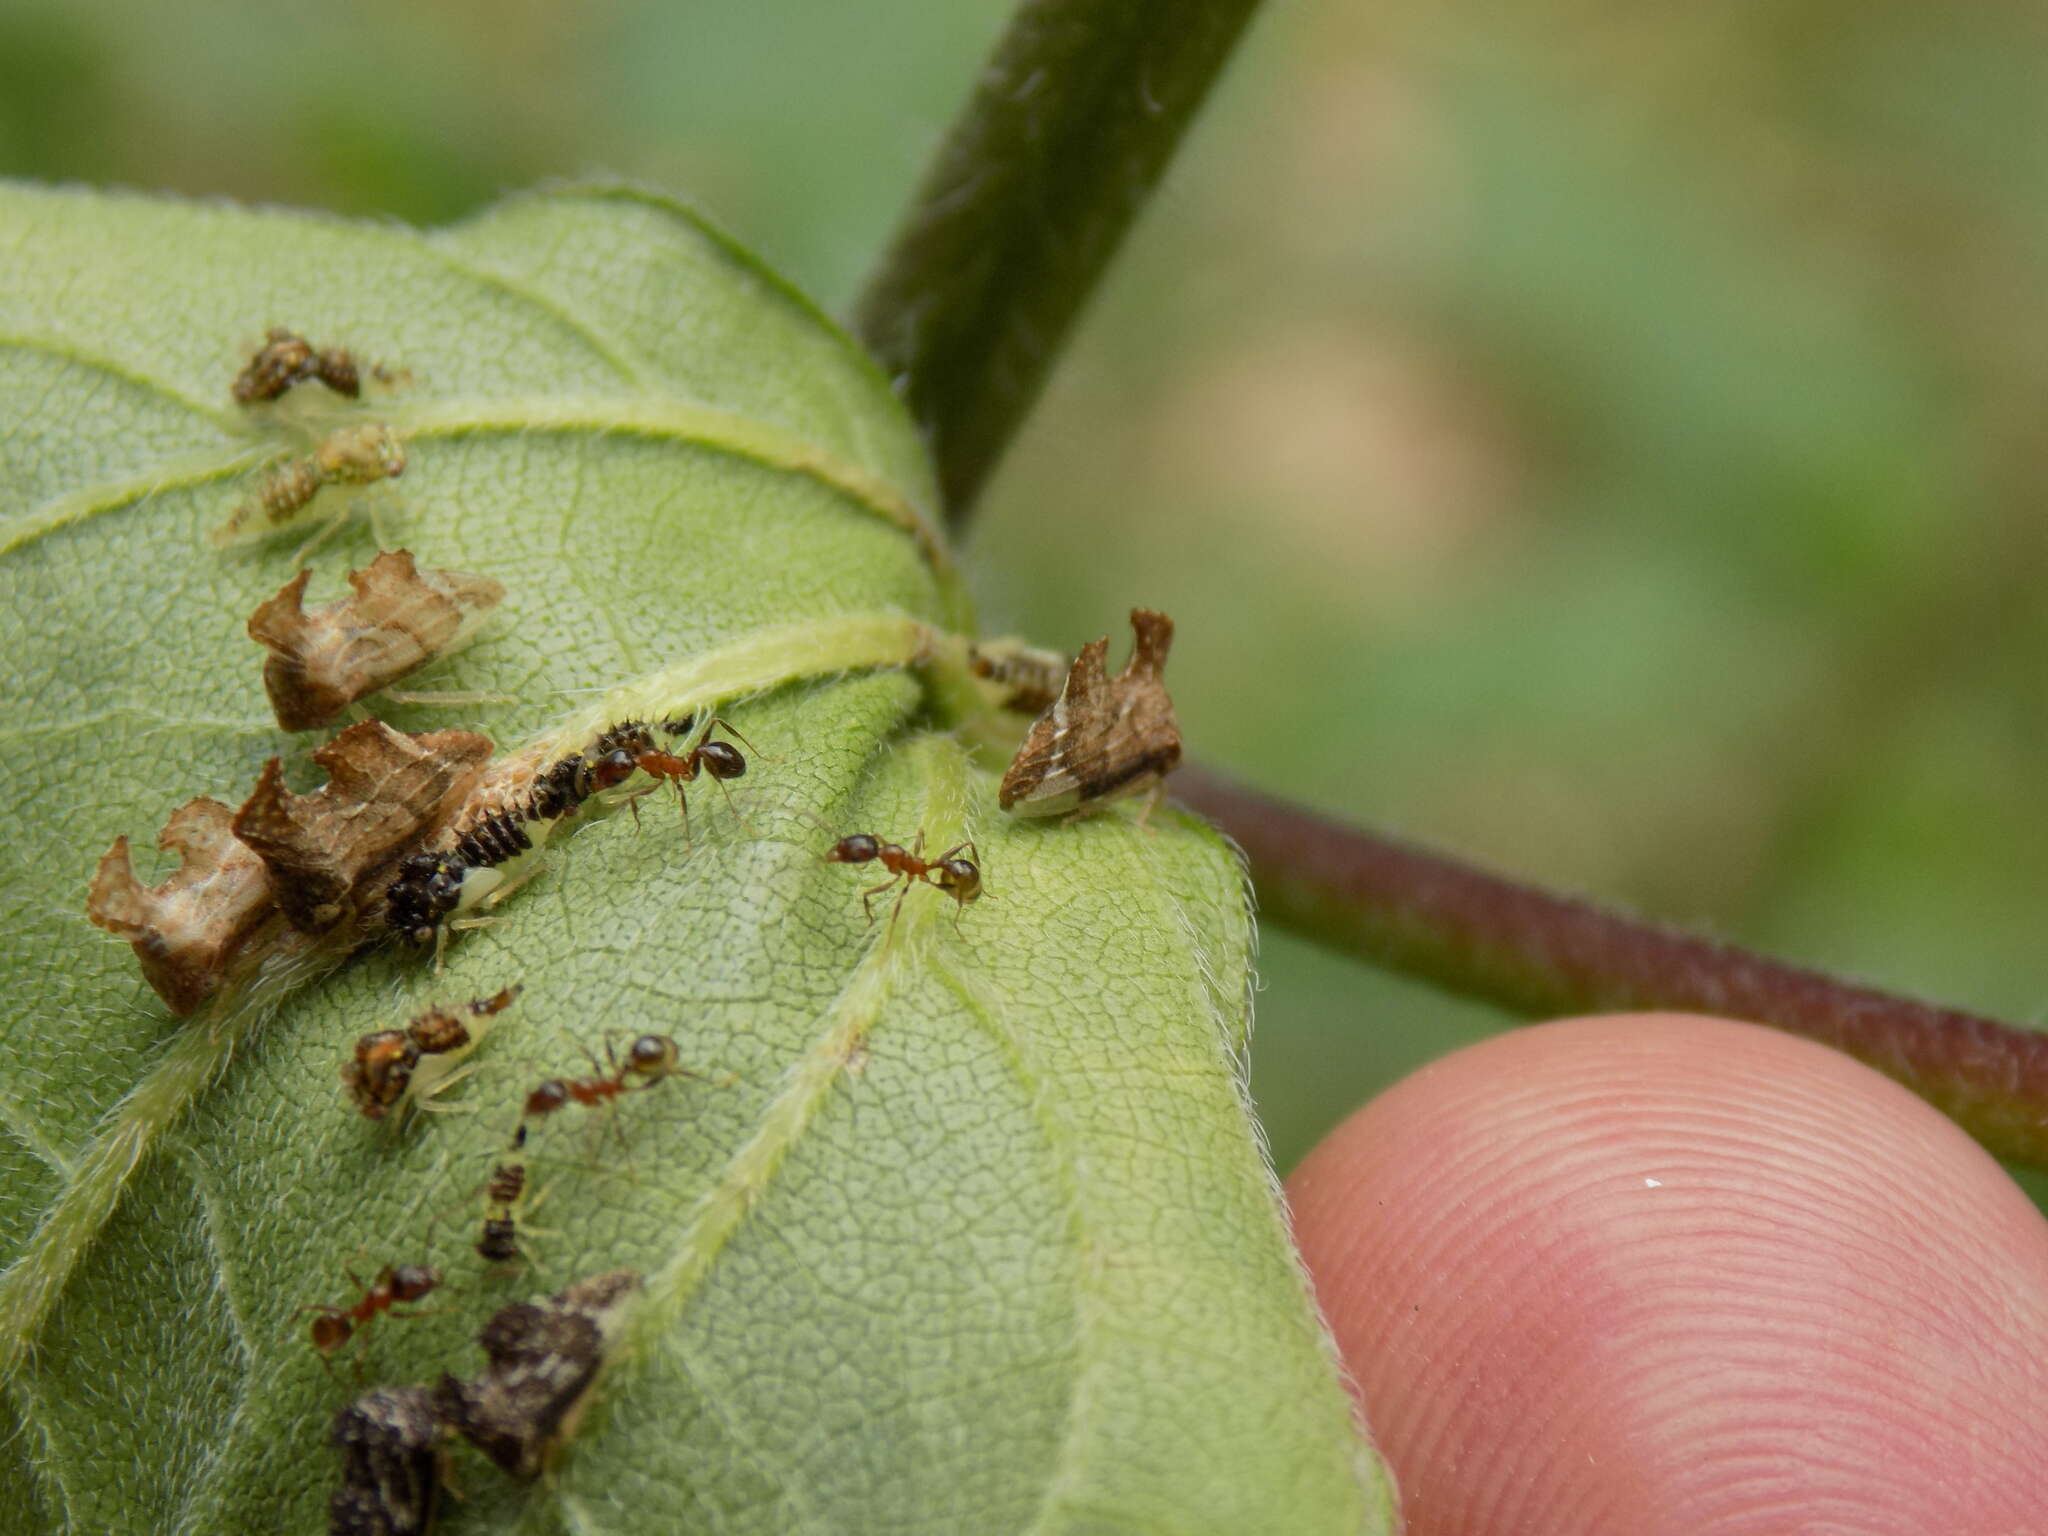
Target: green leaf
column 964, row 1226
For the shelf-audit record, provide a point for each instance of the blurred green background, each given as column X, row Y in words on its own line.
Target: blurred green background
column 1607, row 441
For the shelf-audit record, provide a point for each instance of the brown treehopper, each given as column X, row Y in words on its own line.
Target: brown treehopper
column 385, row 791
column 397, row 619
column 543, row 1358
column 1104, row 737
column 186, row 930
column 391, row 1469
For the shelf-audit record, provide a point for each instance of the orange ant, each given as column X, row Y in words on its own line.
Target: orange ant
column 957, row 877
column 649, row 1059
column 334, row 1326
column 720, row 759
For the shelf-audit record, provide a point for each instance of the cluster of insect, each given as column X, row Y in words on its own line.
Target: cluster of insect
column 541, row 1357
column 416, row 836
column 394, row 1070
column 467, row 864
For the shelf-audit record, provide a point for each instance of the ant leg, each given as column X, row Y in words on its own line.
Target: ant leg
column 609, row 1126
column 424, row 1311
column 742, row 820
column 867, row 897
column 328, row 530
column 907, row 884
column 727, row 726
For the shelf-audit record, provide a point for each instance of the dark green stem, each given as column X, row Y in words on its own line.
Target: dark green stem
column 1541, row 954
column 1074, row 119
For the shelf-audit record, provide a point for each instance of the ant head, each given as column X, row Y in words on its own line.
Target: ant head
column 547, row 1098
column 409, row 1282
column 651, row 1056
column 962, row 878
column 331, row 1331
column 680, row 725
column 860, row 848
column 615, row 767
column 721, row 759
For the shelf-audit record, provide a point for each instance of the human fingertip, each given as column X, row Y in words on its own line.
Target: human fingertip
column 1667, row 1273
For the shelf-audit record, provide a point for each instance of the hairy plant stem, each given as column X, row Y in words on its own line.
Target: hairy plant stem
column 1074, row 119
column 1540, row 954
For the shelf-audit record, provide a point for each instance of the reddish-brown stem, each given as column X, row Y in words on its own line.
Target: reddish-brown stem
column 1541, row 954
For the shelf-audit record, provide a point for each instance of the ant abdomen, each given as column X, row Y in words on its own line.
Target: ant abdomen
column 721, row 759
column 959, row 878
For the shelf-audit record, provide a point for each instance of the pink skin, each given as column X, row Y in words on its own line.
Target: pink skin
column 1664, row 1274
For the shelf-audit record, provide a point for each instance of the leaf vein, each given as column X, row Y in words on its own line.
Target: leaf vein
column 97, row 500
column 66, row 349
column 1086, row 1305
column 634, row 370
column 25, row 1130
column 680, row 422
